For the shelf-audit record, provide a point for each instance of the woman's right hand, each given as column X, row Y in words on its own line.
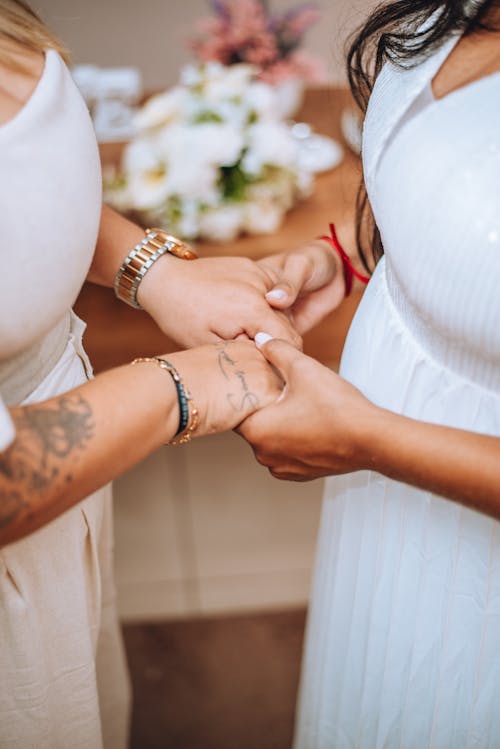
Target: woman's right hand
column 228, row 382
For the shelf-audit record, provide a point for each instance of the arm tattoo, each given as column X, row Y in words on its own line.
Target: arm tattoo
column 244, row 398
column 45, row 436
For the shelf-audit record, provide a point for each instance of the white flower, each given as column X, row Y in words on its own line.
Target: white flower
column 261, row 99
column 304, row 184
column 269, row 143
column 161, row 109
column 209, row 142
column 192, row 178
column 147, row 190
column 140, row 156
column 226, row 82
column 191, row 76
column 217, row 117
column 225, row 111
column 221, row 224
column 262, row 217
column 279, row 189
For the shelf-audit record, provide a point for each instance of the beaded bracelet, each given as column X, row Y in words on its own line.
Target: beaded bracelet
column 188, row 413
column 347, row 267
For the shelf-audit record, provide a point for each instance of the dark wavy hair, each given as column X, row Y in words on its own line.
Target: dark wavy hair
column 394, row 32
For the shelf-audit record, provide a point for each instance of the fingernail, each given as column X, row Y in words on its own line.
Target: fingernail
column 262, row 338
column 277, row 295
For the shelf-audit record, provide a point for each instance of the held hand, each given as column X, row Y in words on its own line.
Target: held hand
column 318, row 425
column 308, row 281
column 228, row 382
column 211, row 299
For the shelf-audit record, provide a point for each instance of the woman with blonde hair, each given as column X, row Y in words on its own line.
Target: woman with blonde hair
column 64, row 436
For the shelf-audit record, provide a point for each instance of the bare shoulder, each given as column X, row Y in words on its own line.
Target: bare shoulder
column 17, row 81
column 475, row 56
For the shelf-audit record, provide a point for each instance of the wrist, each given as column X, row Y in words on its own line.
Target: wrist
column 186, row 412
column 156, row 393
column 157, row 282
column 377, row 438
column 155, row 244
column 332, row 262
column 349, row 272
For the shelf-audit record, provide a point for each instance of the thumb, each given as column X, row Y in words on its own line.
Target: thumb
column 279, row 353
column 282, row 295
column 293, row 277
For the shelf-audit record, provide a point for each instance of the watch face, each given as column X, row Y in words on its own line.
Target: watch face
column 183, row 251
column 176, row 246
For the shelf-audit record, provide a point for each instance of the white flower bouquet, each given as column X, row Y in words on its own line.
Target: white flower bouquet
column 211, row 157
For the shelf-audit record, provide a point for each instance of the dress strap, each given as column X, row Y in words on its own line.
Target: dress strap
column 396, row 88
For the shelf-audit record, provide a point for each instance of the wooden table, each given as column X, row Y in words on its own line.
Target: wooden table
column 116, row 333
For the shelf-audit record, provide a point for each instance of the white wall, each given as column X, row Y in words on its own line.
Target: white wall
column 151, row 34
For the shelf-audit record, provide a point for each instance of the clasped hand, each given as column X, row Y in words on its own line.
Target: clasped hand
column 226, row 298
column 286, row 411
column 319, row 424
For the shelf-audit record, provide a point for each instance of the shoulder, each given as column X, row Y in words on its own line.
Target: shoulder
column 20, row 71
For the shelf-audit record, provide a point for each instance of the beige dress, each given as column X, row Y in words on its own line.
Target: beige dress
column 63, row 675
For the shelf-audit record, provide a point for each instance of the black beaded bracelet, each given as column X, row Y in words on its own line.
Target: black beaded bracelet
column 181, row 395
column 188, row 416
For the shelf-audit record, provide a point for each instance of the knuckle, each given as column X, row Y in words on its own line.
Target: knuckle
column 262, row 458
column 297, row 366
column 304, row 264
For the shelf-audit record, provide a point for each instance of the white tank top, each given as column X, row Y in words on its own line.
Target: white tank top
column 50, row 200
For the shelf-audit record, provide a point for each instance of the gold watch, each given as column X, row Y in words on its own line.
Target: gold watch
column 137, row 263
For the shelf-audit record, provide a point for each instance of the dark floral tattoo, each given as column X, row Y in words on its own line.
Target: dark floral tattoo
column 245, row 398
column 45, row 436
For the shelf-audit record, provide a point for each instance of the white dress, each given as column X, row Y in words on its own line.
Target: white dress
column 63, row 680
column 403, row 637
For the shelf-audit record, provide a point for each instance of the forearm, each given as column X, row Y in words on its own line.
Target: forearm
column 460, row 465
column 71, row 445
column 117, row 236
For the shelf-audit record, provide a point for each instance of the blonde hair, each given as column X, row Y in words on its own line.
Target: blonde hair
column 20, row 24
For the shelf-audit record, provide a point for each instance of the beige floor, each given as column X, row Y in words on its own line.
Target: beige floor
column 203, row 529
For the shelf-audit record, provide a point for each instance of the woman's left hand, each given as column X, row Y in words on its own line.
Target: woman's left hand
column 317, row 426
column 308, row 282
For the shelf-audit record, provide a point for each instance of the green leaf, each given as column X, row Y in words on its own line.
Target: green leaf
column 207, row 116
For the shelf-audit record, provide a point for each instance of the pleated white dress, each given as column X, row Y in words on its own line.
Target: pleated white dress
column 403, row 638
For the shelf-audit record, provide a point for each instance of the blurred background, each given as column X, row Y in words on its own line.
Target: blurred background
column 213, row 556
column 151, row 34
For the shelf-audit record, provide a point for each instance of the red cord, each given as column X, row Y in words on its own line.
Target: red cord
column 348, row 268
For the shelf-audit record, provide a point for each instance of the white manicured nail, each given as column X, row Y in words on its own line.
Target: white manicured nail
column 277, row 295
column 262, row 338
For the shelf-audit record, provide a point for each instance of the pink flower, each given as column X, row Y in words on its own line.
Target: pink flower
column 243, row 31
column 298, row 21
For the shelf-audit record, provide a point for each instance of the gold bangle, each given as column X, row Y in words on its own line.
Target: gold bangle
column 188, row 413
column 155, row 244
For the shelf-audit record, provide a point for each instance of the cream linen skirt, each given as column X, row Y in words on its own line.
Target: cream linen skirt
column 64, row 682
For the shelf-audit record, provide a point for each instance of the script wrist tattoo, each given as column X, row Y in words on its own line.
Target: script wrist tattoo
column 46, row 436
column 240, row 398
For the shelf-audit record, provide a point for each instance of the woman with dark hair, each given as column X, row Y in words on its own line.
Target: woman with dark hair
column 403, row 638
column 64, row 435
